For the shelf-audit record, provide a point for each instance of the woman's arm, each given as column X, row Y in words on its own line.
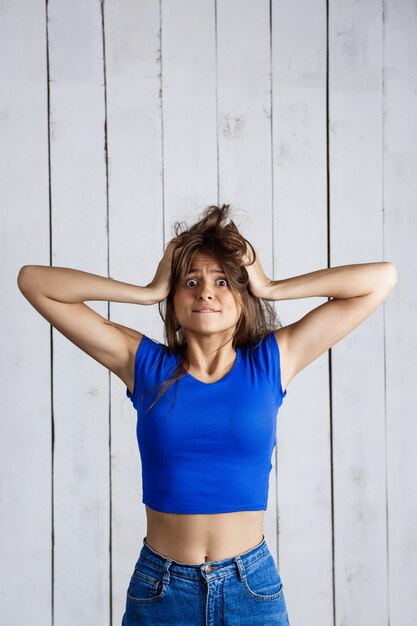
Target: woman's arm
column 355, row 292
column 58, row 294
column 70, row 285
column 344, row 281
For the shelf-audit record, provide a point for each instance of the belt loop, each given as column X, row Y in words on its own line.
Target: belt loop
column 166, row 576
column 240, row 568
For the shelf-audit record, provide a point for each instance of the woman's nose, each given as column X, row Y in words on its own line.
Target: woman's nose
column 206, row 290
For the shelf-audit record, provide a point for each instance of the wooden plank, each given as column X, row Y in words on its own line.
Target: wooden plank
column 300, row 246
column 25, row 405
column 133, row 80
column 244, row 137
column 189, row 110
column 80, row 389
column 400, row 228
column 356, row 220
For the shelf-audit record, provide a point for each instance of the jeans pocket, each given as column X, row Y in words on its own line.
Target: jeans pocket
column 262, row 580
column 145, row 585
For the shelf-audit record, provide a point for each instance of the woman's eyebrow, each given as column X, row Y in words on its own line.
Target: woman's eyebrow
column 214, row 271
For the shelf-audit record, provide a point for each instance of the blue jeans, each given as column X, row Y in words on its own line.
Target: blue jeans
column 245, row 589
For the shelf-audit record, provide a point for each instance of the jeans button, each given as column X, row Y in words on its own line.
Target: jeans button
column 208, row 569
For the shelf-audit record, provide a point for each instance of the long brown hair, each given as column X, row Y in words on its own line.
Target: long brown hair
column 216, row 234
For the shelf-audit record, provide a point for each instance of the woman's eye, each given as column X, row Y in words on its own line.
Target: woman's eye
column 187, row 282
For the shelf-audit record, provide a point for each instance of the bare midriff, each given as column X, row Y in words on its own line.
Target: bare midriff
column 195, row 539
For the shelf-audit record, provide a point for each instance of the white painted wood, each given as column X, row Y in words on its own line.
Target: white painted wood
column 25, row 398
column 134, row 141
column 188, row 103
column 189, row 110
column 244, row 137
column 400, row 228
column 356, row 235
column 300, row 246
column 80, row 384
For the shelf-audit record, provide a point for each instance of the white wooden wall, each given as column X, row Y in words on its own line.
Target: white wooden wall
column 118, row 118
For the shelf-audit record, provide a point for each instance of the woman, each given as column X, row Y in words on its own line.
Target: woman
column 207, row 405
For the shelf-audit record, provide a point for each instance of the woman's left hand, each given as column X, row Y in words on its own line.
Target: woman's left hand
column 258, row 281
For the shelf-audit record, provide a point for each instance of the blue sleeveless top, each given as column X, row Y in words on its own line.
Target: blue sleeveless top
column 207, row 447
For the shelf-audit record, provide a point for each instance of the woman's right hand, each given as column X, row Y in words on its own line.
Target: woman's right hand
column 160, row 285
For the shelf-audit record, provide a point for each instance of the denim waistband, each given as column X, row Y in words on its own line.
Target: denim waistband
column 208, row 569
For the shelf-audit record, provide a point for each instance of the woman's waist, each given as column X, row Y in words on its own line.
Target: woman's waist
column 197, row 538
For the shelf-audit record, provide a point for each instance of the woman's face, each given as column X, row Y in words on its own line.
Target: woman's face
column 206, row 287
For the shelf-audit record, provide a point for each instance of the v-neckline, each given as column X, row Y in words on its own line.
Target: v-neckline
column 229, row 373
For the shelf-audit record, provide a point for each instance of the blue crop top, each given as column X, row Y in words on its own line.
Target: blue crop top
column 207, row 447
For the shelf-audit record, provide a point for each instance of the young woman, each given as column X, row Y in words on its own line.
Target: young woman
column 207, row 403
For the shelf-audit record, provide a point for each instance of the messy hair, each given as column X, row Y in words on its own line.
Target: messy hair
column 217, row 235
